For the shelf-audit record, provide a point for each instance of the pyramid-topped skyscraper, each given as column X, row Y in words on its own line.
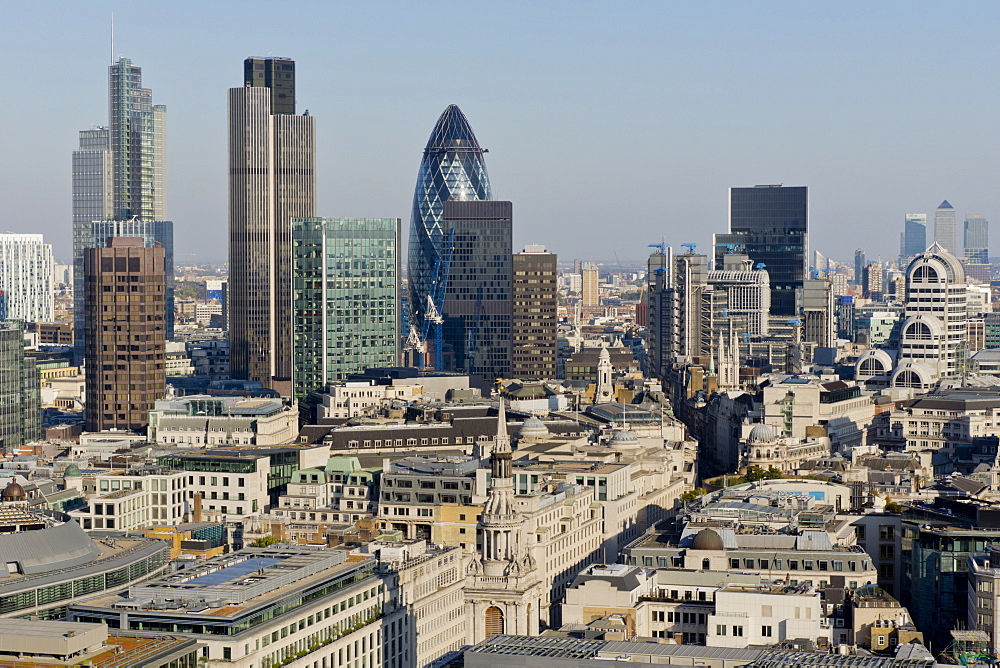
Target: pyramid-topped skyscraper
column 453, row 168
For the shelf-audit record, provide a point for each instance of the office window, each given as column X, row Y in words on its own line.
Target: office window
column 765, row 631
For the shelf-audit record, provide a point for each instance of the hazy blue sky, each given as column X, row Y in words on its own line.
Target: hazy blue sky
column 609, row 125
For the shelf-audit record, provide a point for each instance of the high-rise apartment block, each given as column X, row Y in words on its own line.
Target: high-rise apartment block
column 119, row 176
column 535, row 302
column 25, row 278
column 124, row 299
column 20, row 400
column 771, row 225
column 590, row 280
column 272, row 180
column 871, row 282
column 914, row 239
column 345, row 298
column 946, row 228
column 477, row 302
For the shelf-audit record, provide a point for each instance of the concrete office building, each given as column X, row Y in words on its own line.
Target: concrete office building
column 590, row 295
column 272, row 179
column 26, row 290
column 535, row 302
column 269, row 607
column 124, row 302
column 345, row 298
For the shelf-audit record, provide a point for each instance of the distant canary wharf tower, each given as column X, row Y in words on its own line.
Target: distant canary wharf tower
column 453, row 168
column 271, row 180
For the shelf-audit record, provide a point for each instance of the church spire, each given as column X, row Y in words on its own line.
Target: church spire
column 500, row 459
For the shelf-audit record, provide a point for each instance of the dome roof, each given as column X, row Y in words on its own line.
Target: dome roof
column 72, row 471
column 761, row 433
column 706, row 539
column 13, row 492
column 533, row 428
column 624, row 439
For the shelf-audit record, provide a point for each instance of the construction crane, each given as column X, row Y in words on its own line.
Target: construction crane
column 439, row 284
column 760, row 265
column 661, row 247
column 730, row 247
column 690, row 247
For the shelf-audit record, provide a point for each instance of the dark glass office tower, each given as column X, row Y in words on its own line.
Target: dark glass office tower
column 453, row 168
column 275, row 74
column 914, row 235
column 477, row 302
column 771, row 225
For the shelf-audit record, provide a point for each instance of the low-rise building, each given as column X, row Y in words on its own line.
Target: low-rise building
column 265, row 607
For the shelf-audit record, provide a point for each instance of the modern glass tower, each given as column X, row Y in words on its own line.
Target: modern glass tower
column 272, row 179
column 977, row 243
column 453, row 168
column 345, row 298
column 119, row 176
column 914, row 235
column 946, row 228
column 771, row 225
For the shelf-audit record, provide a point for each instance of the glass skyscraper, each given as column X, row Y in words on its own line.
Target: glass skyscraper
column 946, row 228
column 977, row 243
column 119, row 177
column 345, row 298
column 771, row 225
column 453, row 168
column 914, row 235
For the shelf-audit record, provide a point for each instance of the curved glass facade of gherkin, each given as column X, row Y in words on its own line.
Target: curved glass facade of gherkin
column 452, row 168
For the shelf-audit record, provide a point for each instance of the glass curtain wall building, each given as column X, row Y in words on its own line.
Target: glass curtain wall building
column 477, row 305
column 914, row 235
column 771, row 225
column 453, row 168
column 119, row 175
column 345, row 298
column 977, row 243
column 946, row 228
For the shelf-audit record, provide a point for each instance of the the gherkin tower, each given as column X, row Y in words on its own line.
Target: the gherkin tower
column 452, row 168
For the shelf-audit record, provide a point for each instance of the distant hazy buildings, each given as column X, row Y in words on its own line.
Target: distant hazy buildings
column 976, row 238
column 271, row 180
column 771, row 225
column 946, row 228
column 345, row 298
column 124, row 299
column 914, row 239
column 535, row 302
column 477, row 302
column 25, row 278
column 119, row 174
column 590, row 281
column 453, row 168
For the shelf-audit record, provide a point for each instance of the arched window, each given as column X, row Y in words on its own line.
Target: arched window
column 872, row 366
column 706, row 565
column 918, row 331
column 908, row 379
column 494, row 621
column 925, row 274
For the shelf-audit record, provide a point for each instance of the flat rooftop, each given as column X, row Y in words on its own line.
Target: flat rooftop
column 241, row 576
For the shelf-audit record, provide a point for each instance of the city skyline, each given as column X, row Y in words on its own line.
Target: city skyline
column 878, row 115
